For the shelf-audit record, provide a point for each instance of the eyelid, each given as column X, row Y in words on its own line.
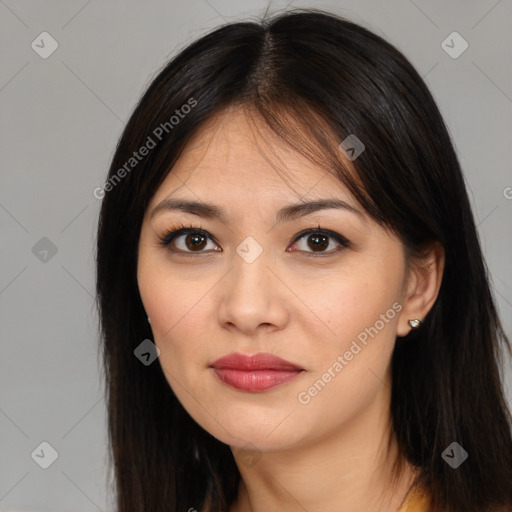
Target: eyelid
column 326, row 232
column 177, row 231
column 173, row 233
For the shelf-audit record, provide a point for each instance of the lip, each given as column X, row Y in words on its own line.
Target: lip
column 256, row 373
column 260, row 361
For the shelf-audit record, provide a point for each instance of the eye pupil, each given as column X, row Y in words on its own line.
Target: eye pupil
column 197, row 241
column 319, row 241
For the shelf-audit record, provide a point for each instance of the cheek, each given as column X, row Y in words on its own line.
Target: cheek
column 348, row 366
column 170, row 298
column 181, row 321
column 356, row 304
column 178, row 328
column 177, row 315
column 362, row 310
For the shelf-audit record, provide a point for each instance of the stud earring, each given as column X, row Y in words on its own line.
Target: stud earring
column 149, row 321
column 414, row 323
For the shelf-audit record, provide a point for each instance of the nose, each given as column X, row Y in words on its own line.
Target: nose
column 253, row 297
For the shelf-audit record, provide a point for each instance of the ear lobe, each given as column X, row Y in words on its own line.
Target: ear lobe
column 422, row 288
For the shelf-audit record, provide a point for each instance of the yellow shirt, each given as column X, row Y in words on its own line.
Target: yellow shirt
column 416, row 501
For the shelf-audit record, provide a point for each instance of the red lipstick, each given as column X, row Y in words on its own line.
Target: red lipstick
column 255, row 373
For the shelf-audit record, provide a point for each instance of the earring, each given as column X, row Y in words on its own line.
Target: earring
column 149, row 321
column 415, row 324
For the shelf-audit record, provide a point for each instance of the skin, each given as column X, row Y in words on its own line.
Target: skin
column 328, row 454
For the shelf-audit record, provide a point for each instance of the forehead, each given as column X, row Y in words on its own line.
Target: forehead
column 234, row 156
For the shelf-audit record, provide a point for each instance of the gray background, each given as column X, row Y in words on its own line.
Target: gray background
column 60, row 120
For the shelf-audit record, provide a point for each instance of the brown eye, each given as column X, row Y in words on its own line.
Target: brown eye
column 187, row 240
column 320, row 242
column 317, row 241
column 195, row 241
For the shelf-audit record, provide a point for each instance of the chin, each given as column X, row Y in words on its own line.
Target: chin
column 255, row 437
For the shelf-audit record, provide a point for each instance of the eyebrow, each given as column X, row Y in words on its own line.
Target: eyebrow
column 285, row 214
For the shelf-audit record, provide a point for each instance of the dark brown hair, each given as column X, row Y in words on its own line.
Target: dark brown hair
column 314, row 78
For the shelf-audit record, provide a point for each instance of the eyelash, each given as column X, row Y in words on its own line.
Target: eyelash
column 181, row 229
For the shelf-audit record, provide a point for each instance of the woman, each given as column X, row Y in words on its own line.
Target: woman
column 286, row 219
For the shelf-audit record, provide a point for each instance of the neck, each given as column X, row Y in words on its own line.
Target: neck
column 349, row 470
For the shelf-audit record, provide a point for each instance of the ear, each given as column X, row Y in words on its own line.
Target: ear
column 421, row 286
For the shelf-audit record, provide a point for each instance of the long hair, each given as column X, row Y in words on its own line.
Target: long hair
column 315, row 79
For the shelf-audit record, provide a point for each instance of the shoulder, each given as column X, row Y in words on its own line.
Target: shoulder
column 417, row 500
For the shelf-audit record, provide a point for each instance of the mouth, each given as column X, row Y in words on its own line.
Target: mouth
column 256, row 373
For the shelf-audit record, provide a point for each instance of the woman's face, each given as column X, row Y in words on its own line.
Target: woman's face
column 248, row 286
